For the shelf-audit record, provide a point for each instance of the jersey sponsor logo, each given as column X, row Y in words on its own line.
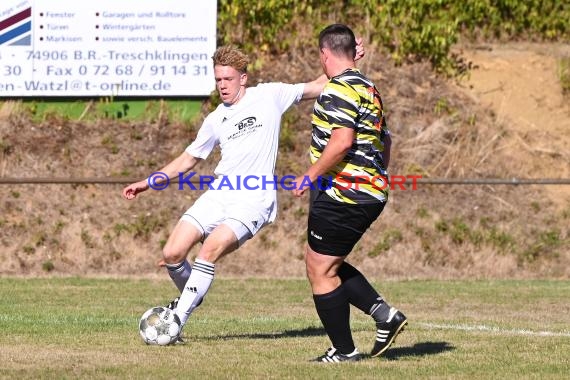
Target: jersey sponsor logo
column 245, row 127
column 247, row 122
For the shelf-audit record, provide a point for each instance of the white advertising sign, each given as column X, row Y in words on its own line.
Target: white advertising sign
column 107, row 47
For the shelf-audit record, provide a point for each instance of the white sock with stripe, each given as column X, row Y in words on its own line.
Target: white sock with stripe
column 196, row 288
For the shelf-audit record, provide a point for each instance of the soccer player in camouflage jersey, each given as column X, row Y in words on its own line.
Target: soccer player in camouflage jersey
column 350, row 152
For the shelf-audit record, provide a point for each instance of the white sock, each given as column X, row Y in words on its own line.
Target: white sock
column 179, row 273
column 196, row 288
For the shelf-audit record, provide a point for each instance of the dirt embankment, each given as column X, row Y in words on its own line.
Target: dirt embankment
column 507, row 119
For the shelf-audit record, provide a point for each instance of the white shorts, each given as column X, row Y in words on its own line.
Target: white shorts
column 241, row 210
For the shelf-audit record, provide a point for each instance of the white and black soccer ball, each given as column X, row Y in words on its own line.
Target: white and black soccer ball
column 159, row 326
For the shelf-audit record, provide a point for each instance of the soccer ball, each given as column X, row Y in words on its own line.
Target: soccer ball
column 159, row 326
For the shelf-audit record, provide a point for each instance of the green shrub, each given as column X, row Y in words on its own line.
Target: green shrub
column 409, row 29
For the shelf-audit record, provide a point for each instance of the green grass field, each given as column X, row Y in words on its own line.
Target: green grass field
column 267, row 329
column 180, row 110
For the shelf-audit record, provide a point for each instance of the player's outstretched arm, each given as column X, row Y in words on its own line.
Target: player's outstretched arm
column 180, row 164
column 313, row 89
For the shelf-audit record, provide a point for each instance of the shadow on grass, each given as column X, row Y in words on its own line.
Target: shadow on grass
column 418, row 349
column 394, row 353
column 306, row 332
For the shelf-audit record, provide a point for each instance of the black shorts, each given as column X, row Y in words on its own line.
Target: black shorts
column 334, row 227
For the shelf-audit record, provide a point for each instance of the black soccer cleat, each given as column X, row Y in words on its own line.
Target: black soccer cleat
column 387, row 331
column 172, row 305
column 333, row 356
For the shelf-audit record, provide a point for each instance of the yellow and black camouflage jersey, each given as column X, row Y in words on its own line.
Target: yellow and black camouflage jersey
column 350, row 100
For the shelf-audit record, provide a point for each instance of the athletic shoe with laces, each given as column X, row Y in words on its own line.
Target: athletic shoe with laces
column 172, row 305
column 387, row 331
column 333, row 356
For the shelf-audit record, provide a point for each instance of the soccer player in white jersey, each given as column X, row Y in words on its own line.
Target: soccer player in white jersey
column 246, row 129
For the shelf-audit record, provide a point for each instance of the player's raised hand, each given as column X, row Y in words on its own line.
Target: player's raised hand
column 359, row 49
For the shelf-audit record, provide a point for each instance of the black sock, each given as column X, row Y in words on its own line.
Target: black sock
column 334, row 311
column 380, row 311
column 359, row 291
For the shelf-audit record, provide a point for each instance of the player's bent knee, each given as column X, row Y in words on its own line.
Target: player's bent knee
column 172, row 256
column 316, row 273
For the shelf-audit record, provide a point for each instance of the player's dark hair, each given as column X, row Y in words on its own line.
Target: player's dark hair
column 340, row 39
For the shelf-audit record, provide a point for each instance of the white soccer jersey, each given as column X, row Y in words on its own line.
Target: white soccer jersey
column 247, row 132
column 248, row 136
